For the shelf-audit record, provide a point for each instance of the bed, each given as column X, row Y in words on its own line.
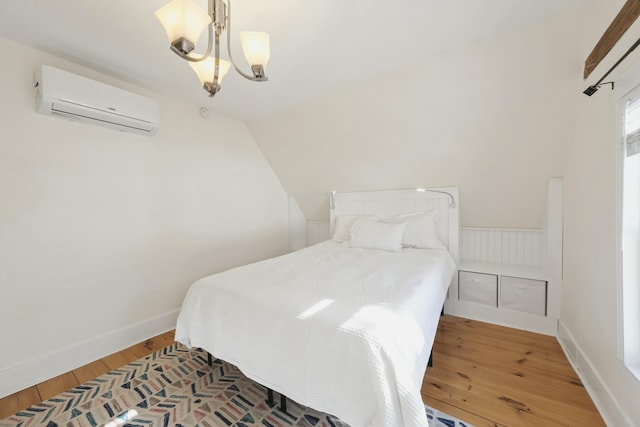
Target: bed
column 345, row 330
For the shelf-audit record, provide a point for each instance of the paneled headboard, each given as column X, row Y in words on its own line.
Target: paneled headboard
column 397, row 202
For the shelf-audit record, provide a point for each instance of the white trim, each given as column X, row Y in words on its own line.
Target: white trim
column 628, row 84
column 620, row 113
column 513, row 246
column 34, row 371
column 612, row 413
column 297, row 226
column 317, row 231
column 627, row 348
column 554, row 219
column 510, row 318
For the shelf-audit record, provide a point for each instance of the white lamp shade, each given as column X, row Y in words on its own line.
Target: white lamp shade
column 183, row 18
column 204, row 69
column 256, row 47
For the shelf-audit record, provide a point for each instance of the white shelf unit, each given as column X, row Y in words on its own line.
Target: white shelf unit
column 513, row 277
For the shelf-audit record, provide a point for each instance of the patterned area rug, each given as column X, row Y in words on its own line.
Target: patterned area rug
column 175, row 387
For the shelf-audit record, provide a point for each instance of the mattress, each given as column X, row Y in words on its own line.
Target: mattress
column 343, row 330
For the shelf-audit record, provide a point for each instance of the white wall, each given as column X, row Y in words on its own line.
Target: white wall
column 101, row 230
column 589, row 326
column 489, row 118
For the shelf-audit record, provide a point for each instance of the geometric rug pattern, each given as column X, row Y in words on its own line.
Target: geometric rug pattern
column 176, row 387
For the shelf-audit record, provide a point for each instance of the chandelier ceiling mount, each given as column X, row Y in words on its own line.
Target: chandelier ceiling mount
column 184, row 21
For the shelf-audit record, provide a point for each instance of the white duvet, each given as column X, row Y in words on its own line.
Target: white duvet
column 343, row 330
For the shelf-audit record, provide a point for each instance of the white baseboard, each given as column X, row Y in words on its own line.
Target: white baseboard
column 611, row 412
column 35, row 371
column 499, row 316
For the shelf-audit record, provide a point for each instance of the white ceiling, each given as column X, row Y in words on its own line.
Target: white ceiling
column 316, row 46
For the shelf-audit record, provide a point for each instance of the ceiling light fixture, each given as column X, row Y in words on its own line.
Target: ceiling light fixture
column 184, row 20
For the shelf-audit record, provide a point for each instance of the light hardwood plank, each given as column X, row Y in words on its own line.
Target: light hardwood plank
column 161, row 341
column 466, row 416
column 116, row 360
column 18, row 401
column 481, row 403
column 90, row 371
column 57, row 385
column 484, row 332
column 539, row 402
column 514, row 381
column 501, row 359
column 139, row 350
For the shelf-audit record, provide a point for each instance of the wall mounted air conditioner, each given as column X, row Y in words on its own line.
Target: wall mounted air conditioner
column 63, row 94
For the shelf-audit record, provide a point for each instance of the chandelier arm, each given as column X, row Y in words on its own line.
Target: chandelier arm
column 216, row 67
column 243, row 74
column 206, row 53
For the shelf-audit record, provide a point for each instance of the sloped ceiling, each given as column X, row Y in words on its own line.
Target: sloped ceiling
column 492, row 118
column 317, row 46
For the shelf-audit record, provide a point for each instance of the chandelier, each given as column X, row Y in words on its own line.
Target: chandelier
column 184, row 21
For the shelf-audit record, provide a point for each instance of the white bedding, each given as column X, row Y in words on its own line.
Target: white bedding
column 343, row 330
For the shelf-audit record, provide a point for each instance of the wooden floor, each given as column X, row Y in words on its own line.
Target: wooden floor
column 490, row 375
column 484, row 374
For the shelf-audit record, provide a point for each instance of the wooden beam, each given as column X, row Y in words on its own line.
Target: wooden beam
column 621, row 23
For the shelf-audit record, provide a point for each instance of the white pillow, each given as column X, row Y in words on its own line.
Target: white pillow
column 422, row 229
column 342, row 227
column 371, row 234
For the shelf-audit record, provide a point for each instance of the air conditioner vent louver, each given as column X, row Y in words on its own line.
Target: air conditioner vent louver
column 75, row 97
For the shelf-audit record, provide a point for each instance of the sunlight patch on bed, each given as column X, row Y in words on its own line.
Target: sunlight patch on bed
column 315, row 308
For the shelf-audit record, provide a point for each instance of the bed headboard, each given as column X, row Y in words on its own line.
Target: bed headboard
column 397, row 202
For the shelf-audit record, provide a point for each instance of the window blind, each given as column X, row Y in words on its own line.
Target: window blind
column 632, row 127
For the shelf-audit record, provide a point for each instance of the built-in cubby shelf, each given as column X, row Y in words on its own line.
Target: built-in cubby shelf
column 512, row 277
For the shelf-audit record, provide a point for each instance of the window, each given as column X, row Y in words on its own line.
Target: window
column 630, row 231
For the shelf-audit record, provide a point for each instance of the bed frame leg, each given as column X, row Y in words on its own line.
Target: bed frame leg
column 283, row 403
column 270, row 401
column 209, row 359
column 430, row 362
